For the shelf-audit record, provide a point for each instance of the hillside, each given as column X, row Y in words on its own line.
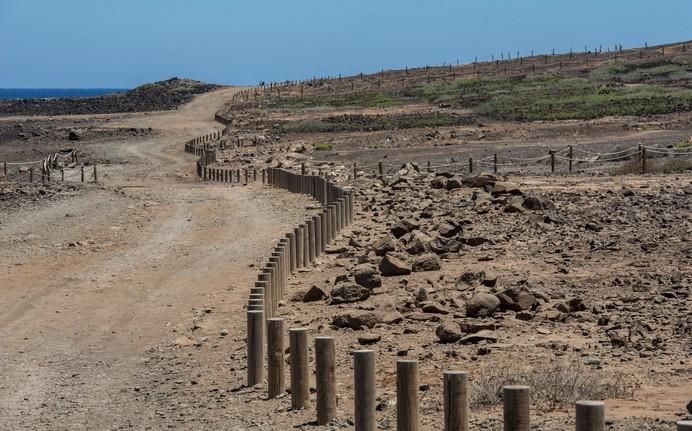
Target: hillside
column 157, row 96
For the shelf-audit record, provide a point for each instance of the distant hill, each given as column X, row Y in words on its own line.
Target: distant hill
column 157, row 96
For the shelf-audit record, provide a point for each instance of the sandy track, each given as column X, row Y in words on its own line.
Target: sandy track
column 90, row 282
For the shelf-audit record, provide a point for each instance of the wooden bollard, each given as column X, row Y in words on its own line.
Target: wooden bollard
column 311, row 240
column 495, row 163
column 407, row 395
column 300, row 376
column 291, row 251
column 332, row 222
column 299, row 246
column 471, row 165
column 272, row 271
column 456, row 402
column 255, row 304
column 325, row 364
column 96, row 176
column 276, row 380
column 364, row 386
column 306, row 245
column 590, row 415
column 323, row 228
column 337, row 217
column 380, row 168
column 255, row 347
column 82, row 172
column 317, row 223
column 264, row 281
column 516, row 408
column 684, row 426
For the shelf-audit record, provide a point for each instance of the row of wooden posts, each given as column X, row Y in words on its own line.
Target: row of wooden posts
column 265, row 333
column 46, row 175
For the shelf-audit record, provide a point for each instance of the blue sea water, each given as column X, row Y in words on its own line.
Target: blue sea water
column 52, row 93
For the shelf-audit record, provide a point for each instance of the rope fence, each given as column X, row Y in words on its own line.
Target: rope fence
column 50, row 168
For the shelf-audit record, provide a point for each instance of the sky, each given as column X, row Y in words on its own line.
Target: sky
column 125, row 43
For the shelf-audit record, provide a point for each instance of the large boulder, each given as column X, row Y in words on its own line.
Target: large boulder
column 403, row 227
column 533, row 203
column 502, row 188
column 481, row 180
column 392, row 266
column 357, row 320
column 453, row 183
column 448, row 332
column 426, row 262
column 367, row 275
column 483, row 335
column 347, row 293
column 417, row 242
column 315, row 293
column 517, row 299
column 482, row 305
column 439, row 183
column 384, row 245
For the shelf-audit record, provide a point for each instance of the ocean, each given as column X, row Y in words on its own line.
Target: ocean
column 53, row 93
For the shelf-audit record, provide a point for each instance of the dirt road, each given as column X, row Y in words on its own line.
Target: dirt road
column 91, row 283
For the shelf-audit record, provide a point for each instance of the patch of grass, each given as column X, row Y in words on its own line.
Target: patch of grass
column 356, row 123
column 550, row 96
column 671, row 165
column 553, row 385
column 322, row 147
column 366, row 99
column 684, row 144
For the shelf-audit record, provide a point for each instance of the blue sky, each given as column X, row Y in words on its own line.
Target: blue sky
column 124, row 43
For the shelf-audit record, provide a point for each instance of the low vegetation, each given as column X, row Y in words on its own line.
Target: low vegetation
column 357, row 123
column 553, row 385
column 366, row 99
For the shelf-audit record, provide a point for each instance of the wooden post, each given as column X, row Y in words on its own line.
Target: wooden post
column 429, row 169
column 326, row 379
column 31, row 175
column 255, row 347
column 62, row 174
column 275, row 357
column 364, row 386
column 299, row 246
column 4, row 168
column 96, row 177
column 516, row 408
column 570, row 158
column 470, row 165
column 302, row 168
column 684, row 426
column 300, row 377
column 552, row 161
column 590, row 416
column 380, row 168
column 407, row 395
column 355, row 170
column 495, row 163
column 643, row 160
column 456, row 402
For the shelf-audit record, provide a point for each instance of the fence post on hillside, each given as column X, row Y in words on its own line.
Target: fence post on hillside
column 82, row 170
column 429, row 169
column 495, row 163
column 684, row 426
column 570, row 158
column 470, row 165
column 31, row 175
column 62, row 174
column 4, row 168
column 300, row 375
column 96, row 177
column 302, row 168
column 364, row 386
column 355, row 170
column 590, row 416
column 255, row 347
column 380, row 168
column 276, row 380
column 456, row 401
column 325, row 371
column 407, row 395
column 552, row 161
column 643, row 160
column 516, row 412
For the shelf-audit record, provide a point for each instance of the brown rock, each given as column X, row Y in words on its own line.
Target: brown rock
column 482, row 305
column 448, row 332
column 393, row 266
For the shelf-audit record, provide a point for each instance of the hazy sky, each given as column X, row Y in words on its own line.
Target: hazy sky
column 123, row 43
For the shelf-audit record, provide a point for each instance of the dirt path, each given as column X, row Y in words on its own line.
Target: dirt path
column 91, row 282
